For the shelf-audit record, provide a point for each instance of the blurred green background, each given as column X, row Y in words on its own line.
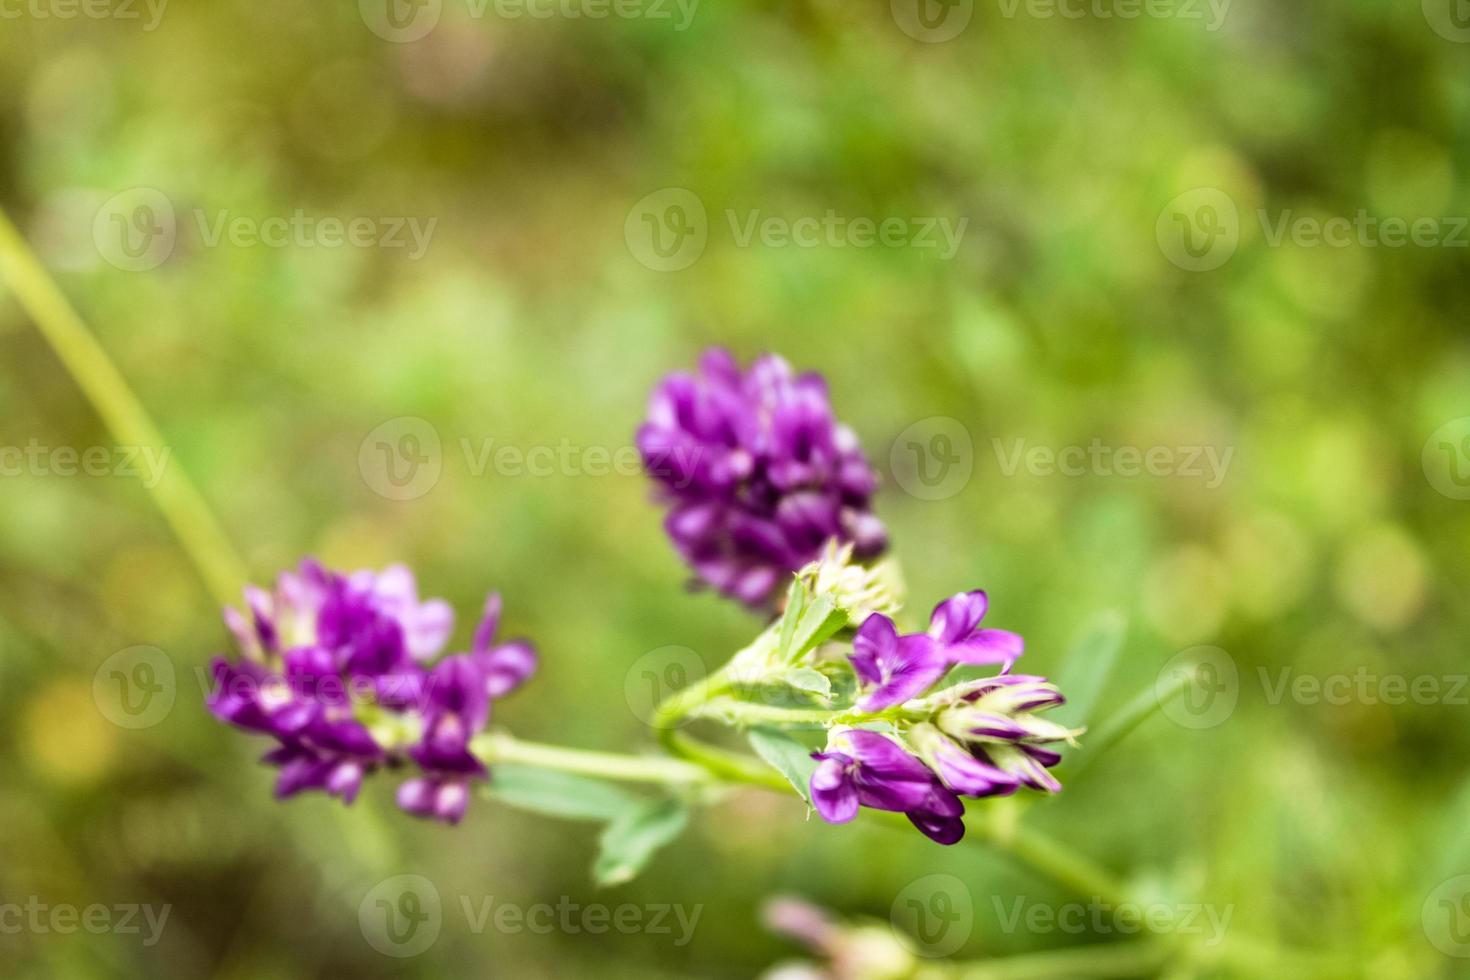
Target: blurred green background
column 537, row 316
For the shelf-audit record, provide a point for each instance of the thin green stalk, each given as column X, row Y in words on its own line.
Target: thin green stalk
column 124, row 415
column 1114, row 960
column 1125, row 720
column 496, row 747
column 1054, row 859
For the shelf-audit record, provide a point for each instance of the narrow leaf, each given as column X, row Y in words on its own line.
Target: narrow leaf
column 809, row 680
column 560, row 794
column 1087, row 666
column 787, row 756
column 795, row 604
column 629, row 841
column 819, row 621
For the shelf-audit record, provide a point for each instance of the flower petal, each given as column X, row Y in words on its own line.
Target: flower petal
column 875, row 643
column 833, row 793
column 987, row 647
column 956, row 617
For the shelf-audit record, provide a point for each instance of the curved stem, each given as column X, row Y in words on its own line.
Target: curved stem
column 1057, row 861
column 121, row 411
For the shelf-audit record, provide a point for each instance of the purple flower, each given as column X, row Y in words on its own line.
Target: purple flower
column 955, row 625
column 758, row 473
column 329, row 660
column 991, row 740
column 864, row 768
column 898, row 667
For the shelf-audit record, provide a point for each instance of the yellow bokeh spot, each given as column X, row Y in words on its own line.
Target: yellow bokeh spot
column 66, row 738
column 1381, row 577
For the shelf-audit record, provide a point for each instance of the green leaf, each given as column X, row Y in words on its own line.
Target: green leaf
column 819, row 621
column 629, row 841
column 787, row 756
column 1087, row 666
column 795, row 604
column 809, row 680
column 560, row 794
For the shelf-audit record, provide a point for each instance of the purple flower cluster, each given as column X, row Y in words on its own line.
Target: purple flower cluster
column 980, row 738
column 758, row 473
column 338, row 669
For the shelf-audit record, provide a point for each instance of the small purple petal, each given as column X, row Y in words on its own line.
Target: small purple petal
column 833, row 792
column 955, row 618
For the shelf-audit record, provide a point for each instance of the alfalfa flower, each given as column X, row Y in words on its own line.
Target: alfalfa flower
column 337, row 669
column 974, row 738
column 758, row 473
column 865, row 768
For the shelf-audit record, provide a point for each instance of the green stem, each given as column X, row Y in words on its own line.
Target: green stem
column 1125, row 720
column 1054, row 859
column 1115, row 960
column 121, row 411
column 494, row 747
